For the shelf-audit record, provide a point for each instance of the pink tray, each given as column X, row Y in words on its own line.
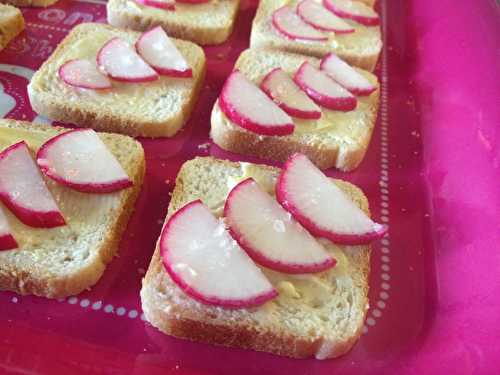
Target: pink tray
column 431, row 174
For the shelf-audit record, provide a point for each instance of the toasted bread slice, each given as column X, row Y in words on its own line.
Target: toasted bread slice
column 31, row 3
column 319, row 315
column 207, row 23
column 66, row 260
column 150, row 109
column 361, row 48
column 337, row 139
column 11, row 24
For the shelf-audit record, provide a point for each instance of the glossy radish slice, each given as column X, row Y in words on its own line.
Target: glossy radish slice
column 207, row 264
column 346, row 75
column 316, row 15
column 80, row 160
column 156, row 48
column 324, row 90
column 354, row 10
column 119, row 60
column 7, row 241
column 161, row 4
column 269, row 234
column 23, row 190
column 279, row 86
column 321, row 206
column 288, row 23
column 83, row 74
column 247, row 106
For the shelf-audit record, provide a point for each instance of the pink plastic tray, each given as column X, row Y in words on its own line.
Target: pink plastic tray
column 431, row 174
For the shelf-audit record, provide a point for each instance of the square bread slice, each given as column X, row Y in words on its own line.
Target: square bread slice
column 338, row 139
column 360, row 48
column 149, row 109
column 66, row 260
column 319, row 315
column 31, row 3
column 11, row 24
column 206, row 23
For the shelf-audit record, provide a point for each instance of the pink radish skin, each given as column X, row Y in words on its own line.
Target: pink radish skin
column 331, row 205
column 101, row 171
column 156, row 48
column 289, row 24
column 166, row 5
column 204, row 228
column 300, row 252
column 353, row 10
column 249, row 107
column 324, row 90
column 314, row 14
column 83, row 74
column 288, row 92
column 40, row 210
column 7, row 240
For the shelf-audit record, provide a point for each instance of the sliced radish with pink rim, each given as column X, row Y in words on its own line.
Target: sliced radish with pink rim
column 7, row 241
column 207, row 264
column 321, row 206
column 269, row 234
column 161, row 4
column 354, row 10
column 346, row 75
column 156, row 48
column 323, row 89
column 80, row 160
column 119, row 60
column 247, row 106
column 83, row 74
column 280, row 87
column 23, row 190
column 288, row 23
column 316, row 15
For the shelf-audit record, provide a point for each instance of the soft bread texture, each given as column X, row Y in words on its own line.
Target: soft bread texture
column 361, row 48
column 341, row 141
column 150, row 109
column 11, row 24
column 64, row 261
column 30, row 3
column 206, row 23
column 303, row 327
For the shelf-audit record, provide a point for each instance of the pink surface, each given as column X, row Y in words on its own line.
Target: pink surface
column 431, row 174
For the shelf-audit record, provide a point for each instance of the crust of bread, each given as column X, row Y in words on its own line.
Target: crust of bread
column 11, row 24
column 31, row 3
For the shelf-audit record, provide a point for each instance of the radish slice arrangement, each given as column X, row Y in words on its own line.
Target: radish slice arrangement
column 315, row 14
column 288, row 23
column 161, row 4
column 353, row 10
column 247, row 106
column 156, row 48
column 279, row 86
column 23, row 190
column 207, row 264
column 80, row 160
column 7, row 241
column 269, row 234
column 321, row 206
column 346, row 75
column 323, row 89
column 83, row 74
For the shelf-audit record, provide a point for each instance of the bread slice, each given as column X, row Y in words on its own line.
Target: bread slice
column 338, row 139
column 66, row 260
column 151, row 109
column 319, row 315
column 206, row 23
column 11, row 24
column 360, row 48
column 31, row 3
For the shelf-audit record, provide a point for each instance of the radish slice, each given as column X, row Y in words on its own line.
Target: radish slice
column 324, row 90
column 83, row 74
column 156, row 48
column 23, row 190
column 317, row 16
column 7, row 241
column 281, row 88
column 80, row 160
column 193, row 1
column 207, row 264
column 353, row 10
column 269, row 234
column 346, row 75
column 321, row 206
column 119, row 60
column 247, row 106
column 161, row 4
column 288, row 23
